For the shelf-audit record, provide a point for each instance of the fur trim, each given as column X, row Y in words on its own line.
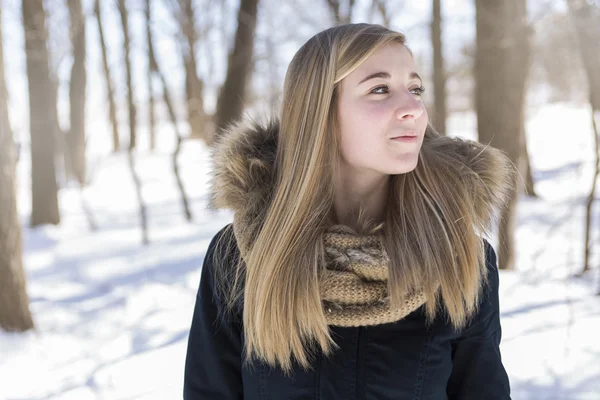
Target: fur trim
column 244, row 177
column 494, row 174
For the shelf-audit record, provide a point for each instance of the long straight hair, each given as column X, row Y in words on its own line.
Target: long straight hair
column 431, row 228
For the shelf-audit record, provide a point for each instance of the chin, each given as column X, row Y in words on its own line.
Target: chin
column 404, row 167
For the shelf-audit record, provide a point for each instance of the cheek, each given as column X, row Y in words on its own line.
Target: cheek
column 361, row 123
column 376, row 112
column 423, row 120
column 353, row 138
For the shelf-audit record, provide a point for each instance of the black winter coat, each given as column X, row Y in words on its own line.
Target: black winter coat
column 396, row 361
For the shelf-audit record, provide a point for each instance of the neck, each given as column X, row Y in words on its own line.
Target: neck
column 359, row 198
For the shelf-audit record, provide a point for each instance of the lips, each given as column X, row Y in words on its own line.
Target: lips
column 405, row 139
column 408, row 135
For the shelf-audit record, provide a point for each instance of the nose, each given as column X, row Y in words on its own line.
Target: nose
column 409, row 106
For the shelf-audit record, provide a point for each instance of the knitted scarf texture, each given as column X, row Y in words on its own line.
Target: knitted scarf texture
column 354, row 286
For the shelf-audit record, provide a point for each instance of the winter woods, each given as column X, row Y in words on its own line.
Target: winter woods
column 109, row 111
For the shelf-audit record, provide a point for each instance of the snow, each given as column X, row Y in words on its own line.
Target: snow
column 113, row 315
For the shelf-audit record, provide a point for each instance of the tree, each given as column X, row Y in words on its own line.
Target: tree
column 151, row 105
column 112, row 109
column 586, row 18
column 129, row 77
column 529, row 181
column 132, row 120
column 230, row 103
column 273, row 94
column 76, row 135
column 194, row 86
column 501, row 69
column 340, row 15
column 439, row 72
column 154, row 69
column 57, row 53
column 557, row 62
column 381, row 6
column 14, row 303
column 43, row 122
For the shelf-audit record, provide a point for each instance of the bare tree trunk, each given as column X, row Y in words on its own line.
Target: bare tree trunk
column 168, row 101
column 439, row 72
column 586, row 19
column 151, row 115
column 350, row 10
column 501, row 69
column 590, row 199
column 112, row 108
column 42, row 122
column 76, row 136
column 334, row 6
column 138, row 192
column 381, row 7
column 14, row 303
column 194, row 86
column 184, row 198
column 274, row 94
column 60, row 139
column 529, row 182
column 61, row 150
column 132, row 122
column 342, row 16
column 127, row 44
column 89, row 215
column 230, row 103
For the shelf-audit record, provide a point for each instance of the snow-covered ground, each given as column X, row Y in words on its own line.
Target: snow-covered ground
column 112, row 315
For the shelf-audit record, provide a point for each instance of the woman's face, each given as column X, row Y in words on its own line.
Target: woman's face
column 381, row 115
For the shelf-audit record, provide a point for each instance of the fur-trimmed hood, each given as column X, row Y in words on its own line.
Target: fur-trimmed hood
column 244, row 178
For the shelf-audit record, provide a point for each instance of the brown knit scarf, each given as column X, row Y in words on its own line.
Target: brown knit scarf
column 354, row 283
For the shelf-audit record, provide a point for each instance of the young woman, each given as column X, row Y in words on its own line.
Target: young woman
column 355, row 267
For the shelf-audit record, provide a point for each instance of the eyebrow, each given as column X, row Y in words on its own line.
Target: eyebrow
column 383, row 75
column 414, row 75
column 386, row 75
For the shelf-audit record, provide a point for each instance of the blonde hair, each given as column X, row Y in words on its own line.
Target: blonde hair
column 431, row 230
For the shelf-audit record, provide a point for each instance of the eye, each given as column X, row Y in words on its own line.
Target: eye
column 418, row 91
column 383, row 89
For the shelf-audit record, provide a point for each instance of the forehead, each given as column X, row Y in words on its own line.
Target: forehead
column 393, row 58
